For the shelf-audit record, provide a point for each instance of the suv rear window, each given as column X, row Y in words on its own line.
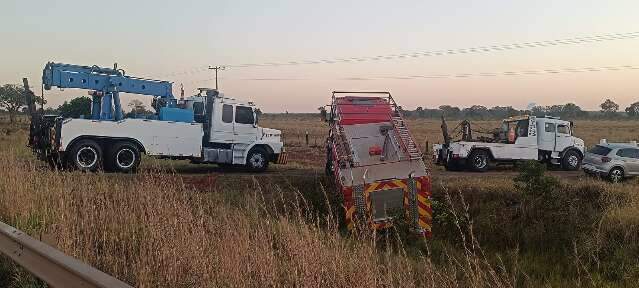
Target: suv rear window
column 600, row 150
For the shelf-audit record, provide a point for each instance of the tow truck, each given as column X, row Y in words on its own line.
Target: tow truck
column 547, row 139
column 376, row 164
column 206, row 128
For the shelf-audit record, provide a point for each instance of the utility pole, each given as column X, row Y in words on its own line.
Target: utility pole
column 216, row 68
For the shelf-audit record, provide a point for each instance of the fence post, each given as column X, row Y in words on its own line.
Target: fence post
column 306, row 138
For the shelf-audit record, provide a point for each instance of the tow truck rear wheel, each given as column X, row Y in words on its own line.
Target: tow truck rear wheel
column 85, row 156
column 123, row 157
column 571, row 161
column 478, row 161
column 257, row 160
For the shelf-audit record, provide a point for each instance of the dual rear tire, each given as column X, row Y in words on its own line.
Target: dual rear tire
column 88, row 156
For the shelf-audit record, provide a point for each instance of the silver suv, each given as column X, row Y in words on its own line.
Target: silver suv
column 615, row 161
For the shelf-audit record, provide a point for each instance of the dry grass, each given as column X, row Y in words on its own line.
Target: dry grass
column 423, row 130
column 151, row 230
column 159, row 229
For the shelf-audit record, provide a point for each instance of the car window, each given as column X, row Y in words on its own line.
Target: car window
column 550, row 127
column 626, row 152
column 563, row 129
column 227, row 113
column 600, row 150
column 244, row 115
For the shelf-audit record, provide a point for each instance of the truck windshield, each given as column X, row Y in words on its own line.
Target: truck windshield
column 600, row 150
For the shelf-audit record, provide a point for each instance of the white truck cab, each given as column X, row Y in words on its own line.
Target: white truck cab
column 547, row 139
column 223, row 130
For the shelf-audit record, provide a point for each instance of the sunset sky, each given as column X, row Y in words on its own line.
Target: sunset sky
column 177, row 40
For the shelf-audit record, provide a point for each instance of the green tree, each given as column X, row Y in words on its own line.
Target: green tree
column 476, row 111
column 609, row 107
column 137, row 109
column 571, row 110
column 76, row 108
column 633, row 110
column 450, row 111
column 538, row 111
column 13, row 99
column 503, row 112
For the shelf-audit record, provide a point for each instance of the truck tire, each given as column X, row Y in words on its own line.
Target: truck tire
column 257, row 160
column 478, row 161
column 123, row 157
column 85, row 156
column 571, row 161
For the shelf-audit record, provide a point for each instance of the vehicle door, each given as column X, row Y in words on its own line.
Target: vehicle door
column 222, row 130
column 546, row 140
column 245, row 129
column 630, row 159
column 634, row 169
column 563, row 137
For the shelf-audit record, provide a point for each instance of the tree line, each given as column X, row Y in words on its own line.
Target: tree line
column 13, row 101
column 608, row 110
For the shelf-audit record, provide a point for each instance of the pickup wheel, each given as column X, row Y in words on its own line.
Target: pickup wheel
column 478, row 161
column 123, row 157
column 571, row 161
column 257, row 160
column 85, row 156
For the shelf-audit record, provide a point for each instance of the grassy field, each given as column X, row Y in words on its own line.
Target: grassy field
column 175, row 224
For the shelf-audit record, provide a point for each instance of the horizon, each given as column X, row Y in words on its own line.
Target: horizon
column 180, row 40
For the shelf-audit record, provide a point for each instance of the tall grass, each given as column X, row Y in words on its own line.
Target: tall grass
column 157, row 229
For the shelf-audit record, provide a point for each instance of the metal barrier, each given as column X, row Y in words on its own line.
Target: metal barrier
column 49, row 264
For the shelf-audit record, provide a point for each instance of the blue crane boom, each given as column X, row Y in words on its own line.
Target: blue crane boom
column 106, row 83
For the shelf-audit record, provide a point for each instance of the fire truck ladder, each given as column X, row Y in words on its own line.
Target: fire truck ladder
column 343, row 148
column 402, row 134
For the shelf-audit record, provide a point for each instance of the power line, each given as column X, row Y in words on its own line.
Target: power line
column 497, row 74
column 550, row 71
column 421, row 54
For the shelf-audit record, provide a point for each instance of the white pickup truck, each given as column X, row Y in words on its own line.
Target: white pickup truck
column 223, row 130
column 546, row 139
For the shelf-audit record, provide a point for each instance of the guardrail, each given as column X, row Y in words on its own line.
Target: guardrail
column 49, row 264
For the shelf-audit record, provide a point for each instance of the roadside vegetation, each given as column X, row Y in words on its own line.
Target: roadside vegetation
column 173, row 225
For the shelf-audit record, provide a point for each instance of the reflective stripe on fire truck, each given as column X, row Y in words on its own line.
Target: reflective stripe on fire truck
column 424, row 210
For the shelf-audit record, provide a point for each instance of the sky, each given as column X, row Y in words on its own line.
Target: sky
column 177, row 40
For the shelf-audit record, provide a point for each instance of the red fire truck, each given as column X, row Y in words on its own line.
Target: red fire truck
column 376, row 163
